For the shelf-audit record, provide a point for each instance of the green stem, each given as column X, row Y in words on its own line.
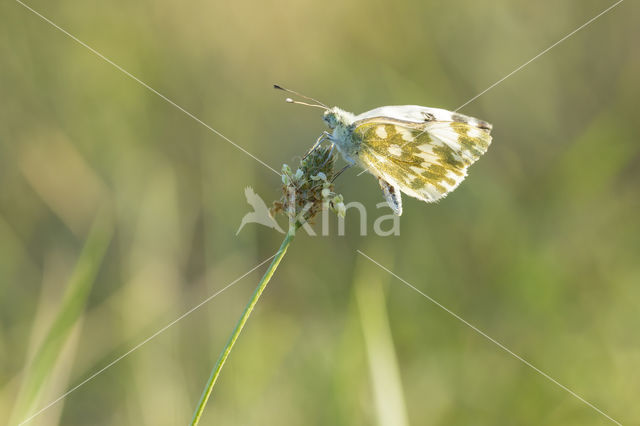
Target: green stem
column 241, row 322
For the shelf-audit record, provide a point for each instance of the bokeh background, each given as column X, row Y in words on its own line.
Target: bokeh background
column 118, row 213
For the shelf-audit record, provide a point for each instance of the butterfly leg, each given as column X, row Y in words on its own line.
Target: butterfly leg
column 340, row 172
column 324, row 136
column 329, row 155
column 392, row 196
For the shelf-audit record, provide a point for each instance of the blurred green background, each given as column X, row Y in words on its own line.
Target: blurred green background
column 118, row 213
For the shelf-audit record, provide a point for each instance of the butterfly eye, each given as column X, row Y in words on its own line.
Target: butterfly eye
column 329, row 118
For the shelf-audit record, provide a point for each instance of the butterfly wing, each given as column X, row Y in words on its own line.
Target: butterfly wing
column 418, row 115
column 425, row 159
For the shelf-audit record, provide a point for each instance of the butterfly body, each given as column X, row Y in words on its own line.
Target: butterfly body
column 423, row 152
column 343, row 135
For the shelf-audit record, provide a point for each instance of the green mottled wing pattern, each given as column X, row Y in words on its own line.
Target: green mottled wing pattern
column 424, row 160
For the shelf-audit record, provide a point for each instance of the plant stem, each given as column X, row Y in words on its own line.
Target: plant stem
column 239, row 326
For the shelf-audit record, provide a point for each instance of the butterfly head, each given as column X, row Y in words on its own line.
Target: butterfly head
column 336, row 117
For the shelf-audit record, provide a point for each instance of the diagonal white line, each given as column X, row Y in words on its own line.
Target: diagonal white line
column 491, row 339
column 136, row 347
column 133, row 77
column 539, row 54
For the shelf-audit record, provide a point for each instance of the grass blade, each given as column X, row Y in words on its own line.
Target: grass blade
column 71, row 309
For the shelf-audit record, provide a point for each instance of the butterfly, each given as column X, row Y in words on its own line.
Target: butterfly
column 420, row 151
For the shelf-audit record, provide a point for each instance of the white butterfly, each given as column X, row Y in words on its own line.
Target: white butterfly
column 423, row 152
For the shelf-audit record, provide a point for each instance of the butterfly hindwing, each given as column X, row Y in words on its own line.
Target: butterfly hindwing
column 425, row 160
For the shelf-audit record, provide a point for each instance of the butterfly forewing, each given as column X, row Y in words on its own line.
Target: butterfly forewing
column 425, row 160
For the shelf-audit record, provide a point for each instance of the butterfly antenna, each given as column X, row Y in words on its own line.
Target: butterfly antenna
column 291, row 101
column 318, row 103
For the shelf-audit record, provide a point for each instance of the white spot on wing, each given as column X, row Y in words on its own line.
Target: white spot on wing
column 429, row 157
column 457, row 178
column 431, row 192
column 448, row 136
column 395, row 150
column 405, row 133
column 381, row 132
column 474, row 132
column 428, row 154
